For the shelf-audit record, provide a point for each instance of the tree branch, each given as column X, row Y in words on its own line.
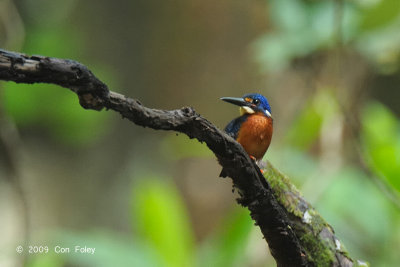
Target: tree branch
column 296, row 234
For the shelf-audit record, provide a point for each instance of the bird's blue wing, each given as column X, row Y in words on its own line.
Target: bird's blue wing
column 233, row 127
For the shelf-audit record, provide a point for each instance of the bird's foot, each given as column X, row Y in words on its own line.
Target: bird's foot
column 261, row 164
column 253, row 158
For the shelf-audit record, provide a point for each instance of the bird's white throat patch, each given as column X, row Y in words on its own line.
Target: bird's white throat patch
column 246, row 110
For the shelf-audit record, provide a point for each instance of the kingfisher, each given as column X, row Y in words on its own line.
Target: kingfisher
column 253, row 128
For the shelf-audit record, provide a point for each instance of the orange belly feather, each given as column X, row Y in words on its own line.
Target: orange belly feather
column 255, row 135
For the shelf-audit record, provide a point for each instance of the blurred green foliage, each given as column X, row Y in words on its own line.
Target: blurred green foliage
column 112, row 249
column 379, row 15
column 160, row 219
column 54, row 109
column 381, row 139
column 163, row 236
column 303, row 27
column 307, row 126
column 51, row 107
column 365, row 231
column 226, row 247
column 46, row 260
column 362, row 214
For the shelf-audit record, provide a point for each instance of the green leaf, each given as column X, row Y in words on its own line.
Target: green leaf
column 53, row 42
column 160, row 218
column 20, row 101
column 55, row 108
column 46, row 260
column 111, row 249
column 294, row 16
column 50, row 106
column 228, row 246
column 306, row 128
column 381, row 14
column 363, row 218
column 381, row 139
column 300, row 28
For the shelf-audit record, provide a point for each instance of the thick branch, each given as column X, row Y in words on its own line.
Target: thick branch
column 283, row 216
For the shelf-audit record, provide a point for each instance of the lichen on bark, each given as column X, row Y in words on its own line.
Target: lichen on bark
column 315, row 235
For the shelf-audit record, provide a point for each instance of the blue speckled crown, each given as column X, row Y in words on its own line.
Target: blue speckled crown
column 263, row 101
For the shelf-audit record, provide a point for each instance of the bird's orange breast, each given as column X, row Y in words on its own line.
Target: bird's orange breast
column 255, row 135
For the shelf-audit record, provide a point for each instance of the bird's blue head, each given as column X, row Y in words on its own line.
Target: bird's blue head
column 251, row 103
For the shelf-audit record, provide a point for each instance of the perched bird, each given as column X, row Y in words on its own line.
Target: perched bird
column 253, row 129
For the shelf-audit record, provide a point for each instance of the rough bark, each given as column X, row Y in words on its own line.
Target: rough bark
column 296, row 234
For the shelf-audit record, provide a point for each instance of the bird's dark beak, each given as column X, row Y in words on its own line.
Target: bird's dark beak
column 236, row 101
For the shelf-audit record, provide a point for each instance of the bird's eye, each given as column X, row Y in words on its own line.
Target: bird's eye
column 256, row 101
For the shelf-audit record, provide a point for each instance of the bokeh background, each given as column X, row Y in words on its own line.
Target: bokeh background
column 69, row 176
